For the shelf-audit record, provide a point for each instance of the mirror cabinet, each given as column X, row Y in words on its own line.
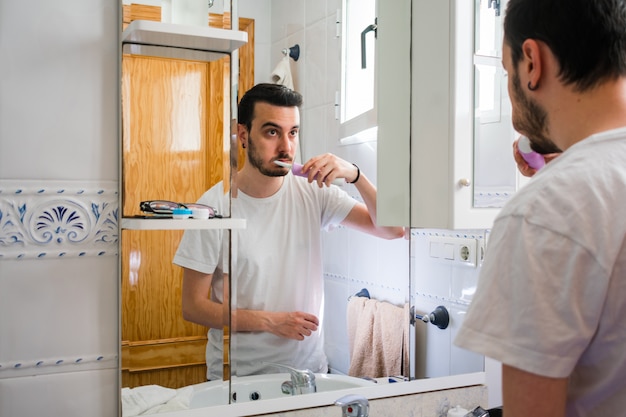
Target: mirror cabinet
column 448, row 137
column 175, row 144
column 433, row 150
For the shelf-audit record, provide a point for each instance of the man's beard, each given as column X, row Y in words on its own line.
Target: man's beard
column 257, row 162
column 532, row 120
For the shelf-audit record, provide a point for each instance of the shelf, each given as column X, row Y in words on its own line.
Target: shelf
column 145, row 37
column 131, row 223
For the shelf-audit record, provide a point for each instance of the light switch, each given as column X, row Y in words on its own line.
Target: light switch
column 435, row 249
column 458, row 250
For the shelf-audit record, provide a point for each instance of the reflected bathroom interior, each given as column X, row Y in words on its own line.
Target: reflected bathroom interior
column 165, row 351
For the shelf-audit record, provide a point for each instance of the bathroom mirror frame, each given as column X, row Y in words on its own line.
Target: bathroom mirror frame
column 328, row 398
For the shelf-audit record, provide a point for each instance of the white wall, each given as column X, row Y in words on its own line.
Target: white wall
column 58, row 155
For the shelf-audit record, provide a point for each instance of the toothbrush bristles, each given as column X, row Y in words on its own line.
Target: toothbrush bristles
column 282, row 164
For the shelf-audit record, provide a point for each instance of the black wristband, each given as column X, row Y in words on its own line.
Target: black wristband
column 358, row 174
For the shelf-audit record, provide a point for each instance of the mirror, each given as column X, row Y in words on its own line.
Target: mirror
column 495, row 180
column 175, row 145
column 164, row 349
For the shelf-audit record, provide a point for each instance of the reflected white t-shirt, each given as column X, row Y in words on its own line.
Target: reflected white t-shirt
column 278, row 268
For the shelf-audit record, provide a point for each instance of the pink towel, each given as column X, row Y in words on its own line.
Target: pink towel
column 378, row 338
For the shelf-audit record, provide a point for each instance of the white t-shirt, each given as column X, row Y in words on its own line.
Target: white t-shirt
column 551, row 297
column 278, row 268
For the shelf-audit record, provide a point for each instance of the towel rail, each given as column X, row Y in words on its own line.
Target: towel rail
column 363, row 293
column 439, row 317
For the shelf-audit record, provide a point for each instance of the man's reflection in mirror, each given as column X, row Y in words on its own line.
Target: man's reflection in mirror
column 279, row 277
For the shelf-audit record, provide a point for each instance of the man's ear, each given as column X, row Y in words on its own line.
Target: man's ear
column 531, row 63
column 242, row 135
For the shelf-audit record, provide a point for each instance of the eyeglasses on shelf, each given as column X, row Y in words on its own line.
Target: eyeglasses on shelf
column 165, row 207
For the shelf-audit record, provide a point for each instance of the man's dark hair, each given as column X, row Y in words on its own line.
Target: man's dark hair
column 587, row 37
column 274, row 94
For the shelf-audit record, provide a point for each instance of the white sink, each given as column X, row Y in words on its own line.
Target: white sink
column 263, row 387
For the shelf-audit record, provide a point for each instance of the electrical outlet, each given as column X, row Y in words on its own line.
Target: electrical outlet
column 460, row 251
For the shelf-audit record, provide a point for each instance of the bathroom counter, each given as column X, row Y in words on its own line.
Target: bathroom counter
column 378, row 391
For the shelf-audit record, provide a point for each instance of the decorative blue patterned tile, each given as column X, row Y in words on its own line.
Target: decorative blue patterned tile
column 58, row 219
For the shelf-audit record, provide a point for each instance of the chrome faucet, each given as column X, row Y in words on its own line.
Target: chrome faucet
column 302, row 380
column 353, row 405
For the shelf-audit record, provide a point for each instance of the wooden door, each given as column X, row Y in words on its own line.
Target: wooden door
column 173, row 129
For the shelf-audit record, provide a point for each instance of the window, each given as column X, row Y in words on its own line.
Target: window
column 357, row 101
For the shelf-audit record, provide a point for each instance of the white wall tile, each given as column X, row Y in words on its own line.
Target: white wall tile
column 461, row 361
column 59, row 89
column 363, row 259
column 333, row 60
column 264, row 62
column 395, row 266
column 336, row 251
column 58, row 308
column 315, row 52
column 336, row 292
column 313, row 136
column 260, row 11
column 314, row 11
column 288, row 17
column 90, row 393
column 332, row 128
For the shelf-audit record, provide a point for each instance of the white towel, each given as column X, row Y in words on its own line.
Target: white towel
column 180, row 402
column 153, row 399
column 282, row 73
column 136, row 401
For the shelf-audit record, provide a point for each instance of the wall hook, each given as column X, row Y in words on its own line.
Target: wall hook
column 293, row 52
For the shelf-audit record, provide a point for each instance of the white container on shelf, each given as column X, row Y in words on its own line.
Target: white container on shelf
column 200, row 213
